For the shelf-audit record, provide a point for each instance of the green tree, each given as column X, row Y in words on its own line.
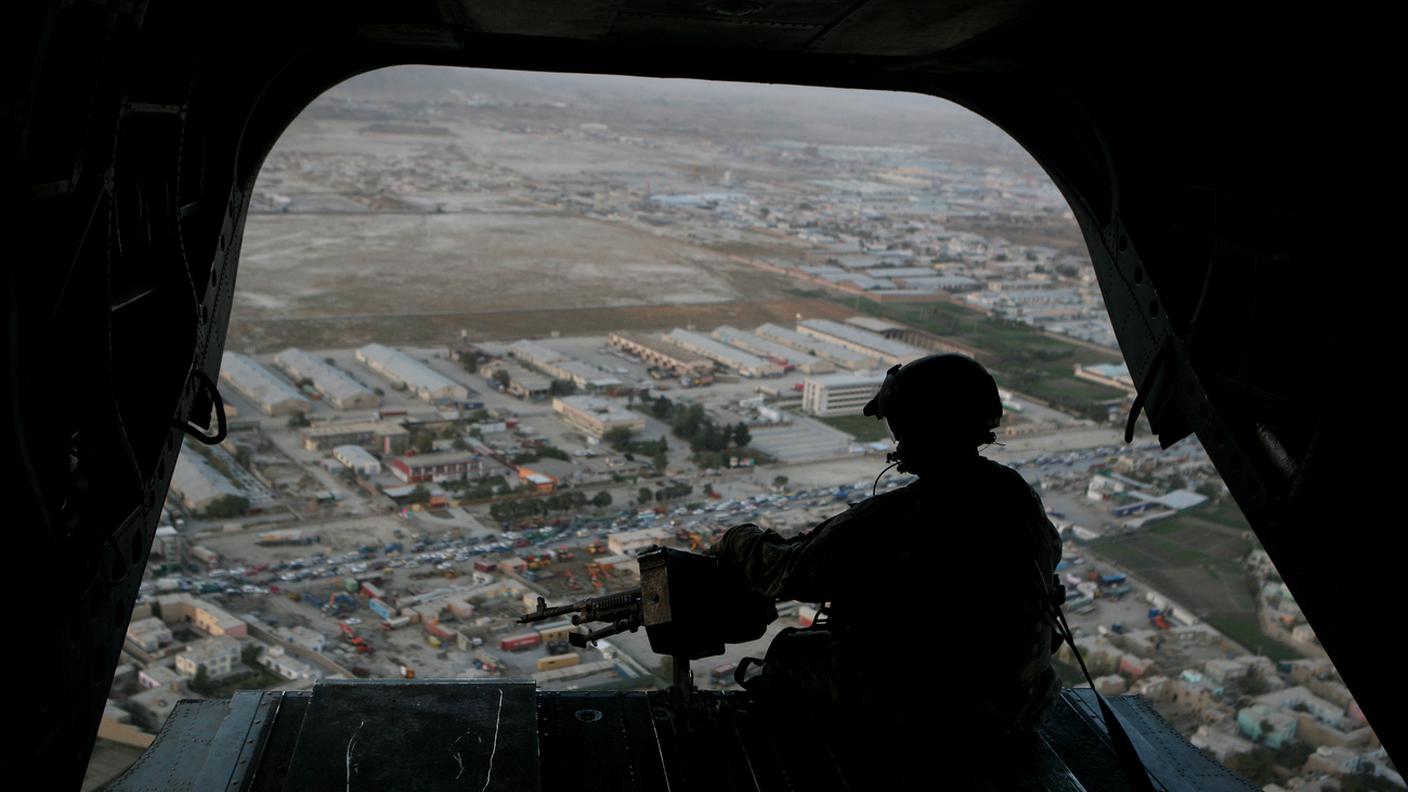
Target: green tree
column 460, row 444
column 741, row 436
column 297, row 420
column 779, row 481
column 644, row 496
column 201, row 682
column 618, row 437
column 602, row 499
column 661, row 407
column 422, row 441
column 249, row 655
column 501, row 377
column 227, row 506
column 562, row 387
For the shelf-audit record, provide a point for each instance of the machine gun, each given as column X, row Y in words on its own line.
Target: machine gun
column 689, row 604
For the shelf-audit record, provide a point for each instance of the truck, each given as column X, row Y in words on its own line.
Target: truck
column 517, row 643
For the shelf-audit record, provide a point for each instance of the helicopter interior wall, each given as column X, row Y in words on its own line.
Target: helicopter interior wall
column 139, row 131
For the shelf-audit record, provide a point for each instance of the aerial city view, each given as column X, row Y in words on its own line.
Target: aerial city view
column 496, row 333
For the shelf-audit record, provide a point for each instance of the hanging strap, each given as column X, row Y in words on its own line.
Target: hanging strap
column 1130, row 763
column 221, row 427
column 1143, row 394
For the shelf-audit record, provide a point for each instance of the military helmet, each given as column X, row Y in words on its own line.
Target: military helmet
column 939, row 397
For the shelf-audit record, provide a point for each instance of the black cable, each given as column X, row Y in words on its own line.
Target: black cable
column 876, row 485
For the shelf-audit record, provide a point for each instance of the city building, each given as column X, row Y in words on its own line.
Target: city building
column 157, row 676
column 772, row 350
column 663, row 354
column 404, row 371
column 149, row 634
column 303, row 637
column 842, row 356
column 204, row 616
column 276, row 659
column 890, row 352
column 336, row 386
column 522, row 383
column 595, row 415
column 839, row 394
column 261, row 386
column 153, row 707
column 438, row 466
column 357, row 459
column 198, row 483
column 627, row 542
column 744, row 363
column 388, row 437
column 1112, row 375
column 218, row 654
column 563, row 367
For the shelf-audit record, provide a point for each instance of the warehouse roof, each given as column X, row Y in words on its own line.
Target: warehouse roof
column 198, row 481
column 885, row 346
column 256, row 382
column 815, row 346
column 330, row 380
column 734, row 358
column 764, row 346
column 398, row 365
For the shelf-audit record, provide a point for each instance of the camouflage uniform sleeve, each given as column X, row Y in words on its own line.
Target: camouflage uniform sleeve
column 799, row 568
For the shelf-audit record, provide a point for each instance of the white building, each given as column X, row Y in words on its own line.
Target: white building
column 839, row 394
column 358, row 459
column 218, row 654
column 627, row 542
column 261, row 386
column 285, row 665
column 596, row 416
column 335, row 385
column 405, row 371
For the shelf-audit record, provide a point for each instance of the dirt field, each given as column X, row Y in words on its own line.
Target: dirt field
column 420, row 329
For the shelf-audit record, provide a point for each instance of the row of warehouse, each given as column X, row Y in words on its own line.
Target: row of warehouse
column 817, row 346
column 274, row 396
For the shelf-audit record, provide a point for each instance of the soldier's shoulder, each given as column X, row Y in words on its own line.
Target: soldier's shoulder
column 1003, row 475
column 902, row 498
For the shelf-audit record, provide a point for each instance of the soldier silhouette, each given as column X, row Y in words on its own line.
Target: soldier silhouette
column 935, row 634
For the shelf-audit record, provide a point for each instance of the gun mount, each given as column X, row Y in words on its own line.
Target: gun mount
column 689, row 604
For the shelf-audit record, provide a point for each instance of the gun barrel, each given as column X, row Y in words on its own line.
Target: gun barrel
column 609, row 607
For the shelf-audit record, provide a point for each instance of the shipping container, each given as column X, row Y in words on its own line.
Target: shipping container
column 485, row 566
column 381, row 609
column 517, row 643
column 556, row 632
column 553, row 662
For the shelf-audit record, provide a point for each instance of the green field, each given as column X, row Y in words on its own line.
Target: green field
column 862, row 428
column 1196, row 559
column 1020, row 356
